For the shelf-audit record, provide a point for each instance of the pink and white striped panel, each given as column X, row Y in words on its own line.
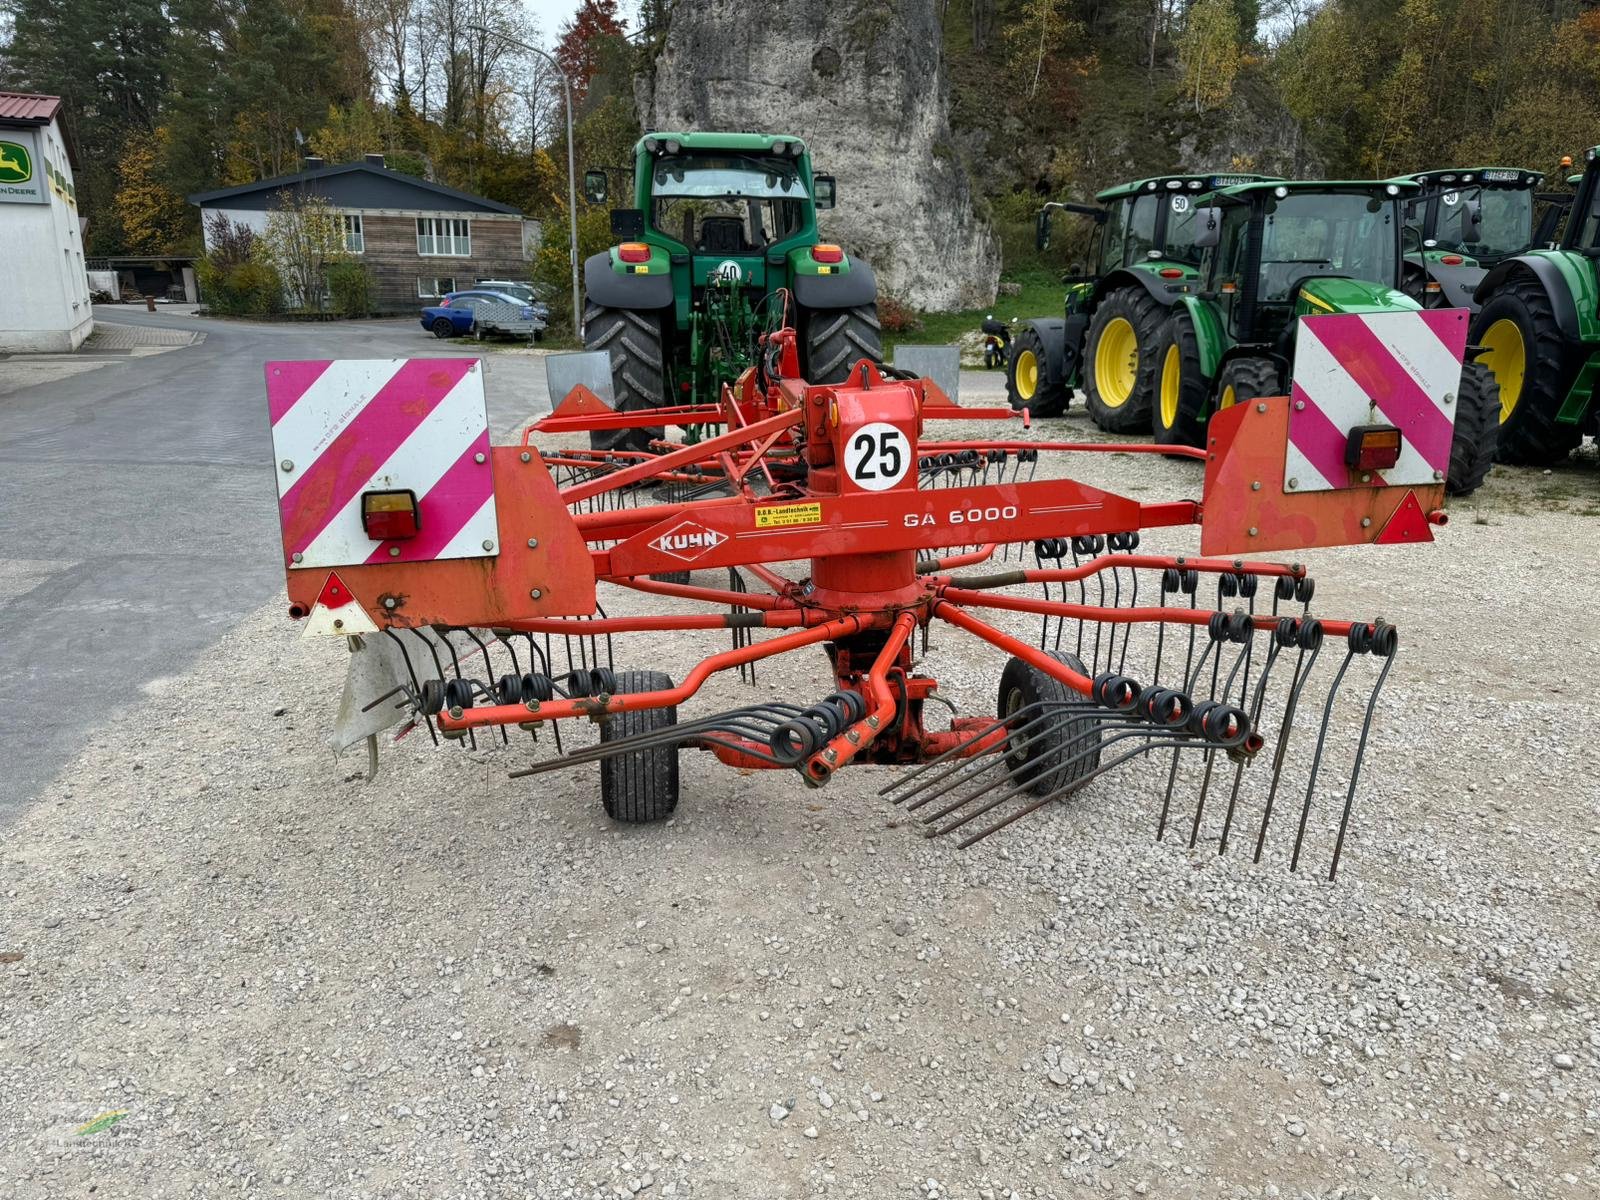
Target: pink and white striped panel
column 1393, row 368
column 345, row 426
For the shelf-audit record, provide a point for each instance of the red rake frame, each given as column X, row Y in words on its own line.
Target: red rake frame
column 840, row 476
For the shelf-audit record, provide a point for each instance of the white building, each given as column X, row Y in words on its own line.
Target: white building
column 44, row 304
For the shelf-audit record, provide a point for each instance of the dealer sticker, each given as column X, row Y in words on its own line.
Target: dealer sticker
column 777, row 516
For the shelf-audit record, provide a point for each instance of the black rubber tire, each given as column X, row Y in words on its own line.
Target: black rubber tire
column 641, row 787
column 1147, row 316
column 1049, row 398
column 838, row 338
column 1059, row 754
column 1246, row 378
column 1477, row 432
column 1183, row 424
column 1530, row 434
column 634, row 340
column 443, row 327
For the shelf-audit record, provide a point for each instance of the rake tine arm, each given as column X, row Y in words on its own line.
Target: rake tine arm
column 865, row 731
column 719, row 596
column 555, row 710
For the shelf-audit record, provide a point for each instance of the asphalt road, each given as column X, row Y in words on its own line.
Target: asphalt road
column 138, row 522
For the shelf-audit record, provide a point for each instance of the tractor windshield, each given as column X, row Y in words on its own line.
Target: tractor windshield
column 1506, row 228
column 1306, row 234
column 727, row 204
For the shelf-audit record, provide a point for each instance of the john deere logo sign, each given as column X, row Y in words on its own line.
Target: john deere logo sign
column 16, row 163
column 21, row 181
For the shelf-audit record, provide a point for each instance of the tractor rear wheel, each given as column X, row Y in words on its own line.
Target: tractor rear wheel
column 838, row 338
column 642, row 786
column 1477, row 431
column 1534, row 367
column 634, row 340
column 1052, row 753
column 1182, row 390
column 1246, row 378
column 1122, row 360
column 1028, row 384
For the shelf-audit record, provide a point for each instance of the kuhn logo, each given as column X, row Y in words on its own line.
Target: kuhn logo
column 688, row 541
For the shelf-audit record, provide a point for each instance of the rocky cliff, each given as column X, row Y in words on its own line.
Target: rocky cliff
column 862, row 81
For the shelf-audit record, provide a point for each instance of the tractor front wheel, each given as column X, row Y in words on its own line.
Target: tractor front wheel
column 1053, row 744
column 634, row 340
column 1028, row 382
column 1123, row 360
column 1244, row 379
column 1532, row 363
column 837, row 339
column 1477, row 430
column 1182, row 391
column 641, row 786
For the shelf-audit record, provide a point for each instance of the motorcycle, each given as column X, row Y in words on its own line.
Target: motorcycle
column 996, row 343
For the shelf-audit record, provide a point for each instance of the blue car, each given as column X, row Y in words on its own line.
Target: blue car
column 479, row 311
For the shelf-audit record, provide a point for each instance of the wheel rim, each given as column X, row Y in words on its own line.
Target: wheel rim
column 1027, row 374
column 1507, row 360
column 1171, row 382
column 1116, row 362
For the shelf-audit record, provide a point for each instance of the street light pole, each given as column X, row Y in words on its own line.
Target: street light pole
column 572, row 176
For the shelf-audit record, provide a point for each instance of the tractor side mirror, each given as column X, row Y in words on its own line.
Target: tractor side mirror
column 1041, row 230
column 1472, row 219
column 825, row 189
column 627, row 224
column 1207, row 227
column 594, row 186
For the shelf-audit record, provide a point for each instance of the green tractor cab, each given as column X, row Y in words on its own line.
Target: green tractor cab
column 720, row 245
column 1539, row 319
column 1271, row 254
column 1143, row 253
column 1467, row 219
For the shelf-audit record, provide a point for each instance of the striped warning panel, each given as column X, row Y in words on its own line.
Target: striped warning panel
column 346, row 426
column 1393, row 368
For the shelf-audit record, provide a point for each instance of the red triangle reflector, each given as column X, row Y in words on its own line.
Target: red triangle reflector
column 334, row 593
column 1408, row 523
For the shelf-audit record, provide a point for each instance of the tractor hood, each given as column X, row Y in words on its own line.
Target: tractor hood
column 1337, row 295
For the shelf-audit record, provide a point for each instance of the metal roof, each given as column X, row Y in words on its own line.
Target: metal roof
column 28, row 108
column 357, row 170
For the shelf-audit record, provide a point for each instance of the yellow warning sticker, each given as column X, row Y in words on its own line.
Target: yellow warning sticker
column 776, row 516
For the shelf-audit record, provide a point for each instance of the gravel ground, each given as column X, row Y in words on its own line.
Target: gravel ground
column 446, row 983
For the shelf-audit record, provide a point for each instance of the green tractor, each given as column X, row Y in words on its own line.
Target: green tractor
column 1539, row 320
column 1467, row 220
column 1143, row 252
column 720, row 245
column 1275, row 252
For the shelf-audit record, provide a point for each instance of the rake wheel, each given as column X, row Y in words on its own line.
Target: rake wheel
column 642, row 786
column 1065, row 751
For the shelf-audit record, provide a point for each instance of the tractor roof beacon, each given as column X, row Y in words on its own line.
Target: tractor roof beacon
column 1141, row 249
column 720, row 244
column 1464, row 221
column 1539, row 319
column 1273, row 254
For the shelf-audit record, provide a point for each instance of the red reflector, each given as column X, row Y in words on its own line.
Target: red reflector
column 1372, row 448
column 390, row 515
column 1171, row 273
column 633, row 252
column 1451, row 260
column 826, row 252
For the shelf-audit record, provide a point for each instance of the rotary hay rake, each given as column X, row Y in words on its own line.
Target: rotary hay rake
column 465, row 575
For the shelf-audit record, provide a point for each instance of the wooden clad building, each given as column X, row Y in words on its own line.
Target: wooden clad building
column 418, row 239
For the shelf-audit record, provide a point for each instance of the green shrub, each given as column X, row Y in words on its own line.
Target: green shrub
column 350, row 289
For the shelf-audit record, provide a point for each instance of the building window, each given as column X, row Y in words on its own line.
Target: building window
column 354, row 240
column 444, row 236
column 431, row 289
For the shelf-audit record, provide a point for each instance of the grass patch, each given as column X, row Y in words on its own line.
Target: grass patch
column 1043, row 295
